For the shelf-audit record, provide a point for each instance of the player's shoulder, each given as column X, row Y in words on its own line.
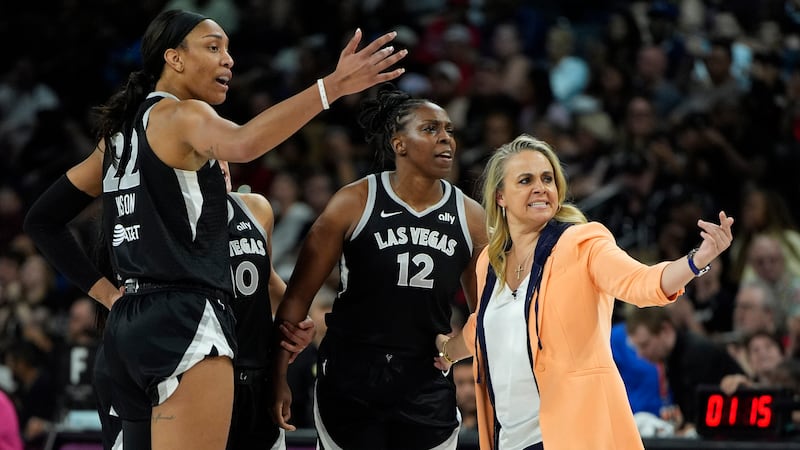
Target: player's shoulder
column 258, row 205
column 472, row 208
column 354, row 193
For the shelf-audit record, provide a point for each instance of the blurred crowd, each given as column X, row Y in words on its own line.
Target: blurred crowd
column 663, row 111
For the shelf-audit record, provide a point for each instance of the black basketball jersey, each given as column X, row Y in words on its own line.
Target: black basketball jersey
column 250, row 271
column 400, row 271
column 162, row 223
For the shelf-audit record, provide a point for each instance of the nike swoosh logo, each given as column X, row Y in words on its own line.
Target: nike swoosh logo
column 384, row 214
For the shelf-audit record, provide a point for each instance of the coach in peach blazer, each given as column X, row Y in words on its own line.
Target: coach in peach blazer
column 581, row 398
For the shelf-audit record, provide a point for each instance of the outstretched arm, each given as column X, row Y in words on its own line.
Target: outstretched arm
column 217, row 138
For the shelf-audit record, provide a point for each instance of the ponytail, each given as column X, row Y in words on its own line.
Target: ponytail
column 121, row 107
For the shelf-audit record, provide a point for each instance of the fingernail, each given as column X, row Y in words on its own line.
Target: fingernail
column 358, row 30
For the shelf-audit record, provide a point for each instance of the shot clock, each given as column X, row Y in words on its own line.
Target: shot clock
column 747, row 414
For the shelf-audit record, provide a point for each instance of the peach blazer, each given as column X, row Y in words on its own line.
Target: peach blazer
column 583, row 399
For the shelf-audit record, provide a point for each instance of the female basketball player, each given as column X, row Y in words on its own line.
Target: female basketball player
column 405, row 240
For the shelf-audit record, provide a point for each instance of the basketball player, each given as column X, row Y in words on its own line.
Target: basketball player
column 405, row 241
column 169, row 340
column 257, row 292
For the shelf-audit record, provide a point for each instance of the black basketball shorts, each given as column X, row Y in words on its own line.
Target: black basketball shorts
column 110, row 423
column 251, row 425
column 152, row 338
column 379, row 401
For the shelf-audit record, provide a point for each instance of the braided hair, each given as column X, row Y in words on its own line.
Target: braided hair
column 384, row 116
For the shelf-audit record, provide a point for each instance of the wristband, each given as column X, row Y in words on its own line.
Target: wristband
column 322, row 94
column 697, row 272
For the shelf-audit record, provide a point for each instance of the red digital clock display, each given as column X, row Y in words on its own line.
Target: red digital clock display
column 746, row 413
column 723, row 410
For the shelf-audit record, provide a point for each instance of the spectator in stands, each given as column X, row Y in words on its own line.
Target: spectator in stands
column 621, row 38
column 23, row 95
column 497, row 127
column 764, row 211
column 716, row 84
column 767, row 257
column 35, row 395
column 647, row 390
column 38, row 302
column 569, row 72
column 651, row 80
column 509, row 49
column 764, row 352
column 74, row 355
column 445, row 79
column 465, row 394
column 689, row 359
column 754, row 311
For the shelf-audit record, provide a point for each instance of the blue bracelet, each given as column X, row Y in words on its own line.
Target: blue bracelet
column 697, row 272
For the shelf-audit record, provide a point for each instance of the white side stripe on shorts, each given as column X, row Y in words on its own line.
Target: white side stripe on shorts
column 208, row 335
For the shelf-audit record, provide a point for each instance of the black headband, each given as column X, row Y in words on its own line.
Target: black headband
column 182, row 24
column 178, row 25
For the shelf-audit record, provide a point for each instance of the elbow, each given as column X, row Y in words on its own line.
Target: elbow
column 32, row 224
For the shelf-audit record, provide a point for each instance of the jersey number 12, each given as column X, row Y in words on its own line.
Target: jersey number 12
column 420, row 279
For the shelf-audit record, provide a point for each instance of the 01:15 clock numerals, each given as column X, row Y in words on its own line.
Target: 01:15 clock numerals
column 760, row 411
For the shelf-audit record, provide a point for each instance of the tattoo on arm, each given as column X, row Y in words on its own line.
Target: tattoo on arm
column 159, row 417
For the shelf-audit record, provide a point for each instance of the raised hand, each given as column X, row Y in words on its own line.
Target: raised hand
column 362, row 69
column 716, row 239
